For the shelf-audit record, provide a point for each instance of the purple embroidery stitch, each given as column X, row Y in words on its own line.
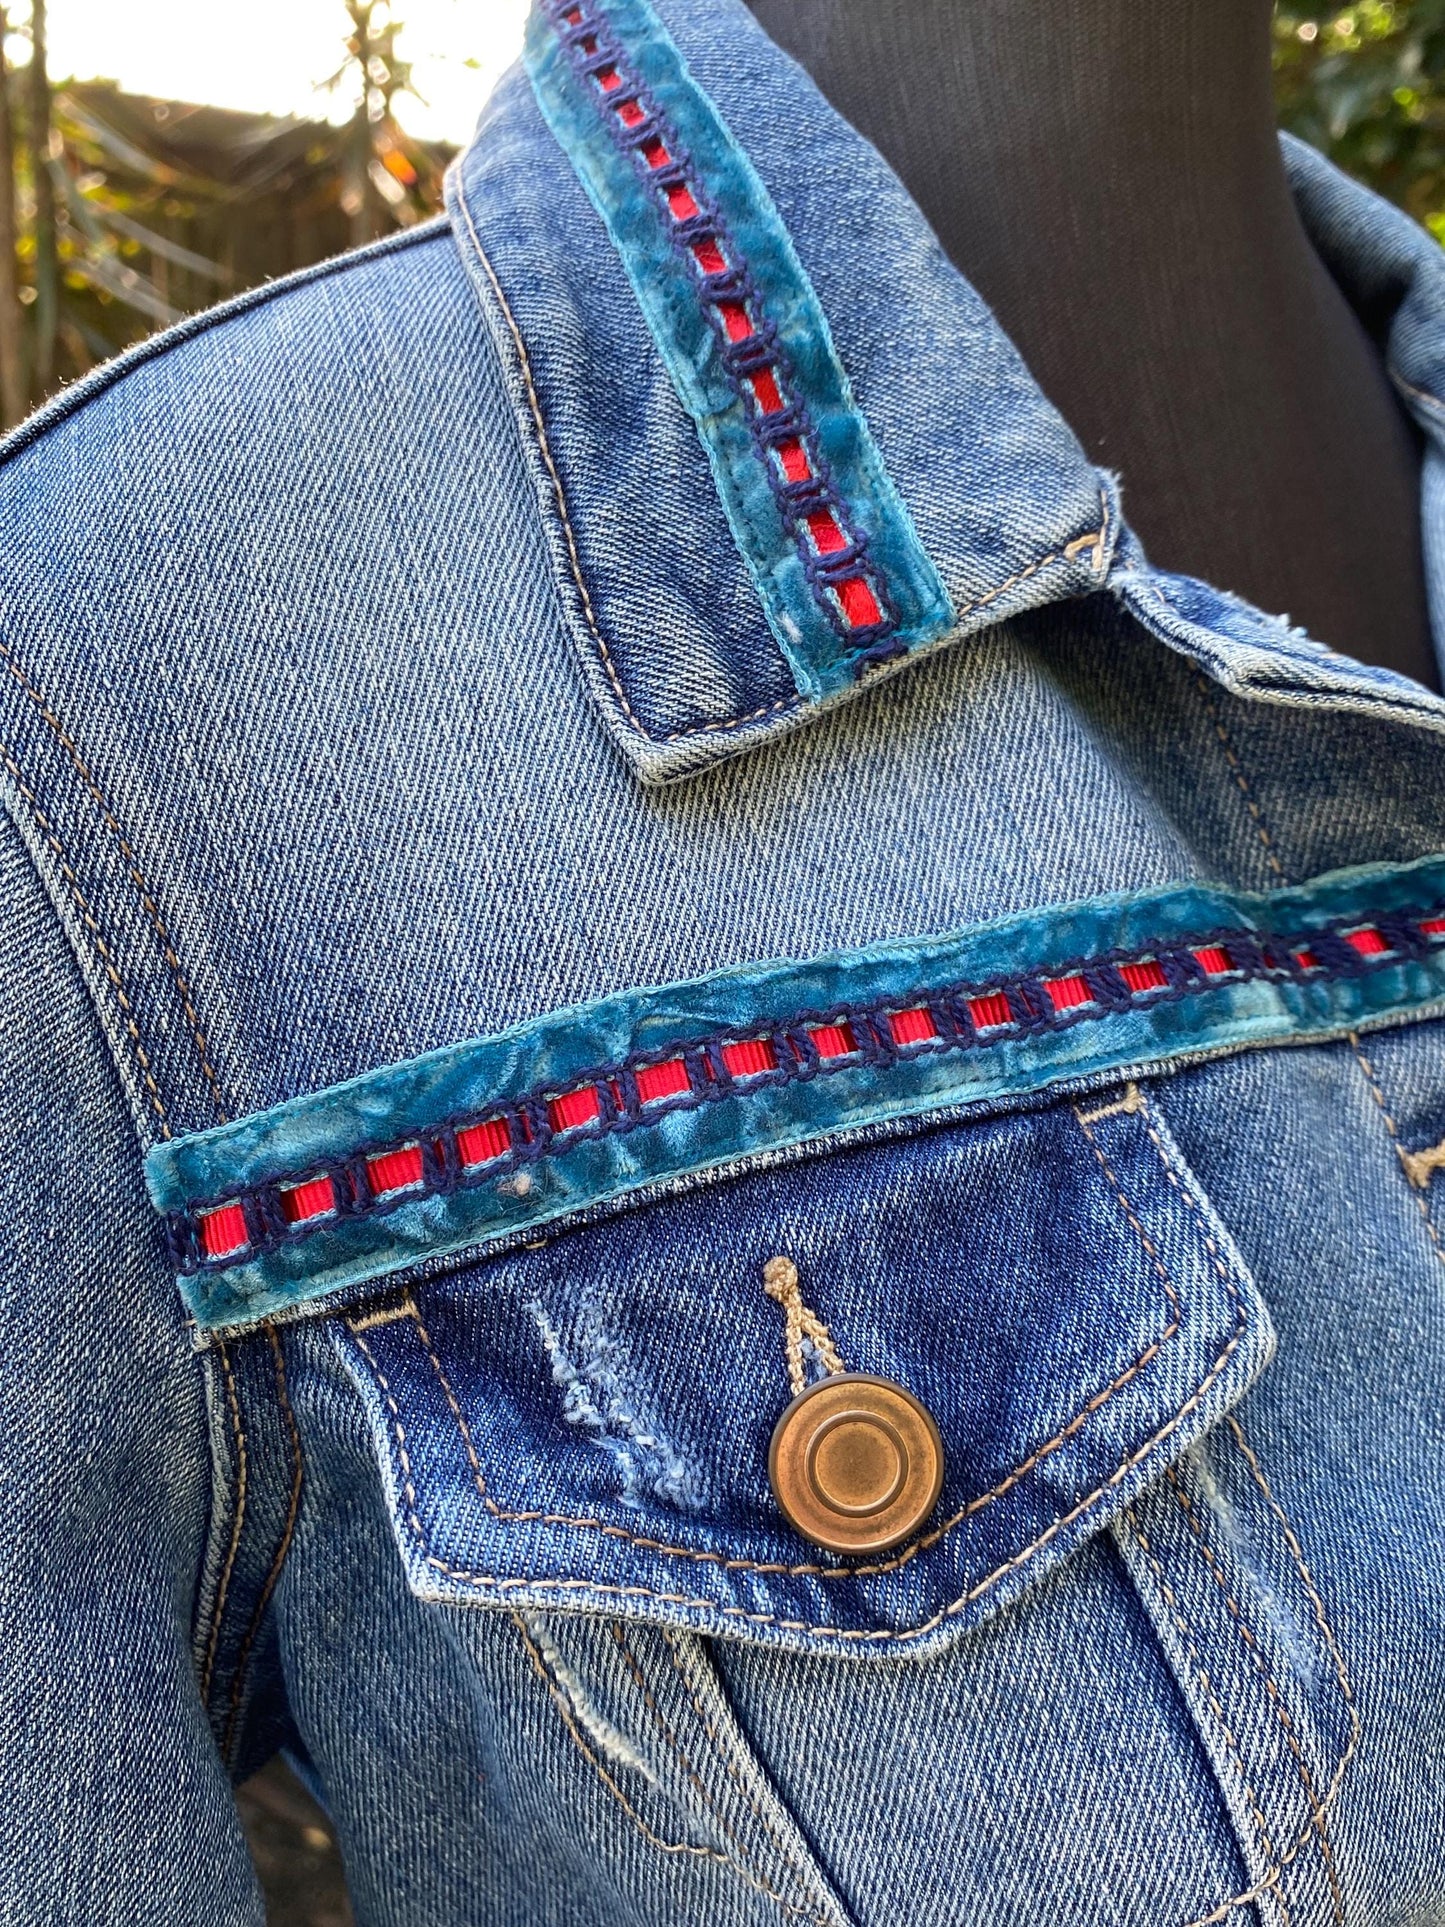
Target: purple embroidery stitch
column 598, row 57
column 798, row 1060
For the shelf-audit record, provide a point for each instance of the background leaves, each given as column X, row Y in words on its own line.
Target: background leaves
column 124, row 213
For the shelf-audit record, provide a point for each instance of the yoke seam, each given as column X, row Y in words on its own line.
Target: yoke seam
column 528, row 1126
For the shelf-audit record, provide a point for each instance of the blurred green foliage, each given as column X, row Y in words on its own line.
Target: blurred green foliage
column 1366, row 84
column 155, row 208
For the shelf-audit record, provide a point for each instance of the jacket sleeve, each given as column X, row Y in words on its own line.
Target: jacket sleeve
column 116, row 1803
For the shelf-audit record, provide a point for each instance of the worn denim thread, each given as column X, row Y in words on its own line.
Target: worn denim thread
column 798, row 1061
column 1239, row 773
column 1262, row 1667
column 1095, row 539
column 591, row 1588
column 1273, row 1882
column 1317, row 1604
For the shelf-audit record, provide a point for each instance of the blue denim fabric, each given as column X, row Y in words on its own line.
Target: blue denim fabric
column 398, row 724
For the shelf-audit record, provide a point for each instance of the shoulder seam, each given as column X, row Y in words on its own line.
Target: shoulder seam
column 70, row 400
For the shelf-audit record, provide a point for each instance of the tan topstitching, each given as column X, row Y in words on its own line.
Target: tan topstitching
column 1296, row 1552
column 102, row 949
column 591, row 1588
column 911, row 1551
column 655, row 1839
column 1271, row 1882
column 1237, row 770
column 1372, row 1084
column 725, row 1753
column 1261, row 1665
column 1321, row 1619
column 619, row 1635
column 147, row 895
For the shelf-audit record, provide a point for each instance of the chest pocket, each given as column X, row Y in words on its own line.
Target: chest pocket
column 587, row 1424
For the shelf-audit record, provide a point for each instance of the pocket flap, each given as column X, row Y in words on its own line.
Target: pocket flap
column 587, row 1423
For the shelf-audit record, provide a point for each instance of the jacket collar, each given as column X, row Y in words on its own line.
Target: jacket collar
column 780, row 445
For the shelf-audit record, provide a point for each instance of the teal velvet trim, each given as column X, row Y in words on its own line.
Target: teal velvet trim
column 666, row 283
column 736, row 1121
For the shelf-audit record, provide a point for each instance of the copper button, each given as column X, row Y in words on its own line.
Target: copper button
column 856, row 1463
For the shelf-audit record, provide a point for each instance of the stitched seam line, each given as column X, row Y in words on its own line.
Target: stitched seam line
column 1420, row 394
column 1336, row 1654
column 590, row 1588
column 1262, row 1667
column 671, row 1739
column 1237, row 770
column 725, row 1753
column 1272, row 1881
column 238, row 1433
column 1422, row 1198
column 143, row 888
column 98, row 943
column 1341, row 1672
column 1296, row 1552
column 912, row 1550
column 288, row 1532
column 1095, row 539
column 1024, row 1008
column 559, row 496
column 655, row 1839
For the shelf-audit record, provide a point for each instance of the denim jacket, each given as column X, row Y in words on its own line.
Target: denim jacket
column 552, row 764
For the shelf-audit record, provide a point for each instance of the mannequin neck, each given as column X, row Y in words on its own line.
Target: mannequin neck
column 1019, row 128
column 1109, row 177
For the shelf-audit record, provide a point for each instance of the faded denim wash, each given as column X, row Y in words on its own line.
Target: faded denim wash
column 426, row 718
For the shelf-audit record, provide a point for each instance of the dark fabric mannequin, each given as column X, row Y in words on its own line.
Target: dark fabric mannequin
column 1108, row 176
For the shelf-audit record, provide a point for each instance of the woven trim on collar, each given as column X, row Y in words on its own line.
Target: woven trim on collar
column 833, row 555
